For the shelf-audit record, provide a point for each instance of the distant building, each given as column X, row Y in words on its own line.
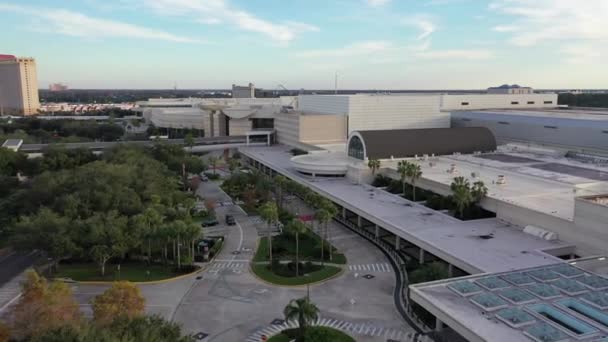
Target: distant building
column 510, row 89
column 243, row 92
column 57, row 87
column 18, row 86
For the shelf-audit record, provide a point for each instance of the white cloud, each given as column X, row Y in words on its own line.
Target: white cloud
column 423, row 23
column 456, row 55
column 221, row 11
column 76, row 24
column 378, row 3
column 553, row 20
column 357, row 49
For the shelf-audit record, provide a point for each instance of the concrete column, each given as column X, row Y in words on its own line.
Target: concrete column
column 421, row 256
column 343, row 213
column 247, row 139
column 397, row 242
column 438, row 325
column 450, row 270
column 359, row 221
column 377, row 233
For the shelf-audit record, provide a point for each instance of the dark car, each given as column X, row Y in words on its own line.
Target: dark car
column 230, row 220
column 209, row 222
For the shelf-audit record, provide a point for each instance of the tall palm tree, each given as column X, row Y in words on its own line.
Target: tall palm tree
column 461, row 194
column 479, row 191
column 323, row 216
column 374, row 165
column 301, row 310
column 213, row 162
column 281, row 184
column 413, row 172
column 270, row 214
column 402, row 170
column 297, row 227
column 331, row 209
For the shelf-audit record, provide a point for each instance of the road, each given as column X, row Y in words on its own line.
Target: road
column 12, row 267
column 102, row 145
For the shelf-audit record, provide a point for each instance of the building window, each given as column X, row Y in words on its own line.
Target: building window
column 464, row 103
column 530, row 102
column 503, row 123
column 355, row 148
column 551, row 127
column 548, row 102
column 605, row 132
column 514, row 103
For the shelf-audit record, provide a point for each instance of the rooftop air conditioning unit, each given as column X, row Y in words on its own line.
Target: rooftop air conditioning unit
column 501, row 180
column 452, row 169
column 541, row 233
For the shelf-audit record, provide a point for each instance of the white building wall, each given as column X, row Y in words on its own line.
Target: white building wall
column 495, row 101
column 239, row 126
column 395, row 112
column 287, row 127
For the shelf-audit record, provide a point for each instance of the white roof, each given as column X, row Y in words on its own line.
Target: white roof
column 442, row 235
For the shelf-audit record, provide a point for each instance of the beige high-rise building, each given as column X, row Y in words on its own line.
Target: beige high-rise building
column 18, row 86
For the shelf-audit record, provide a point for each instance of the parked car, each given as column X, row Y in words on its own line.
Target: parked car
column 230, row 220
column 204, row 177
column 209, row 222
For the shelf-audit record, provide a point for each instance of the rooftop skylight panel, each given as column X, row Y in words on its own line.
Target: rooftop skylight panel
column 543, row 274
column 569, row 286
column 492, row 283
column 567, row 271
column 516, row 295
column 543, row 291
column 594, row 282
column 597, row 299
column 488, row 301
column 515, row 317
column 465, row 288
column 544, row 332
column 518, row 278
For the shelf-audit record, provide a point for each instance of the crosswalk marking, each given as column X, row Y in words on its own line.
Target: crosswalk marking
column 365, row 329
column 229, row 264
column 378, row 267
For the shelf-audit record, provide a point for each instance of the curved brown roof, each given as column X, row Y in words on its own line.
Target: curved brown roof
column 402, row 143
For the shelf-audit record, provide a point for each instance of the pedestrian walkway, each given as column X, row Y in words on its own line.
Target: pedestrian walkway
column 363, row 329
column 10, row 292
column 381, row 267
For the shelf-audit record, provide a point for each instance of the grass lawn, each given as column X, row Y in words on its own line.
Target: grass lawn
column 129, row 271
column 318, row 334
column 284, row 248
column 262, row 271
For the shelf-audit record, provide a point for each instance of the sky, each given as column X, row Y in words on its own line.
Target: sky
column 370, row 44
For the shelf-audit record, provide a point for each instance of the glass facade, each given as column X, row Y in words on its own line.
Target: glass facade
column 355, row 148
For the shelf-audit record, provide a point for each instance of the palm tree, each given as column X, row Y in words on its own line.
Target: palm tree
column 332, row 211
column 461, row 194
column 297, row 227
column 374, row 165
column 189, row 140
column 413, row 172
column 479, row 191
column 281, row 184
column 323, row 216
column 270, row 214
column 303, row 311
column 402, row 170
column 213, row 162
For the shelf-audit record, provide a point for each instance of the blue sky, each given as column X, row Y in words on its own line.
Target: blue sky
column 372, row 44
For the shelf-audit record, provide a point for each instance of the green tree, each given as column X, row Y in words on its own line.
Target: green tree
column 402, row 167
column 213, row 160
column 413, row 172
column 281, row 183
column 297, row 227
column 189, row 140
column 149, row 221
column 374, row 165
column 270, row 214
column 303, row 311
column 479, row 191
column 233, row 165
column 461, row 194
column 123, row 300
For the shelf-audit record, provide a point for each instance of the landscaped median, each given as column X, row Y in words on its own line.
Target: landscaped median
column 321, row 334
column 262, row 270
column 131, row 271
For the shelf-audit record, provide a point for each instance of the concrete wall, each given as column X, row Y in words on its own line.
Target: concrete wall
column 489, row 101
column 591, row 224
column 288, row 129
column 324, row 104
column 239, row 126
column 323, row 129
